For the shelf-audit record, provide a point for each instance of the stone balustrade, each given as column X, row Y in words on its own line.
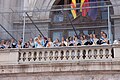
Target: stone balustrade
column 59, row 54
column 65, row 54
column 100, row 62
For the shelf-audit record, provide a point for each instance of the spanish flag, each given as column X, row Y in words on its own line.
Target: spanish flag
column 73, row 6
column 84, row 3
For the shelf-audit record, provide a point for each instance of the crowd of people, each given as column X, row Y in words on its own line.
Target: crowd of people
column 40, row 42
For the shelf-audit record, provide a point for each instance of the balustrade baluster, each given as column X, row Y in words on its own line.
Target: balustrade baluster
column 81, row 54
column 86, row 55
column 37, row 56
column 75, row 58
column 32, row 57
column 64, row 55
column 98, row 54
column 92, row 54
column 104, row 54
column 48, row 56
column 42, row 57
column 70, row 55
column 110, row 53
column 59, row 55
column 53, row 59
column 27, row 57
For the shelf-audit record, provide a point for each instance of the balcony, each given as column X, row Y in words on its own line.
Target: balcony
column 65, row 54
column 59, row 54
column 84, row 62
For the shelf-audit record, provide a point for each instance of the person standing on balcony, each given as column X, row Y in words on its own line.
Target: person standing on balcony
column 71, row 40
column 50, row 43
column 63, row 42
column 76, row 42
column 90, row 40
column 41, row 41
column 13, row 43
column 2, row 46
column 19, row 44
column 67, row 42
column 37, row 43
column 31, row 43
column 105, row 39
column 7, row 44
column 56, row 43
column 83, row 40
column 102, row 33
column 95, row 39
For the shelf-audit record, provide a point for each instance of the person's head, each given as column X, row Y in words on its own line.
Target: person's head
column 67, row 40
column 21, row 39
column 31, row 39
column 76, row 38
column 19, row 42
column 57, row 40
column 70, row 38
column 49, row 39
column 7, row 42
column 39, row 37
column 36, row 40
column 84, row 36
column 81, row 38
column 104, row 35
column 102, row 32
column 63, row 39
column 91, row 35
column 12, row 40
column 3, row 41
column 94, row 36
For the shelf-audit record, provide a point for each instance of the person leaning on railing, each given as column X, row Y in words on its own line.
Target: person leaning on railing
column 40, row 42
column 95, row 39
column 50, row 43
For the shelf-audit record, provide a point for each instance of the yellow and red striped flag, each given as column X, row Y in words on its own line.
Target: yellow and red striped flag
column 73, row 6
column 84, row 3
column 81, row 5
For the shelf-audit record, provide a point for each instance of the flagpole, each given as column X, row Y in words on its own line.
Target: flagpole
column 72, row 25
column 24, row 21
column 109, row 26
column 70, row 22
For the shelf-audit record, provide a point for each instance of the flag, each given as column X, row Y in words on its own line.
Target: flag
column 73, row 6
column 85, row 10
column 93, row 11
column 82, row 2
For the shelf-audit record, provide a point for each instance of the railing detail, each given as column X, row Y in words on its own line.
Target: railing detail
column 65, row 54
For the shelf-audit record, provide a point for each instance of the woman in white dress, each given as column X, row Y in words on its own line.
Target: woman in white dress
column 50, row 43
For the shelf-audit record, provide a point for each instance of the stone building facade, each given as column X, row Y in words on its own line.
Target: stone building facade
column 52, row 23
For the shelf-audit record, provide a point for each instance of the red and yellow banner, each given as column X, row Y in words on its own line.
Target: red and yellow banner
column 73, row 6
column 83, row 7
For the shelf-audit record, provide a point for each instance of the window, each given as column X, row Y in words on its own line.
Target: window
column 72, row 33
column 57, row 35
column 58, row 17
